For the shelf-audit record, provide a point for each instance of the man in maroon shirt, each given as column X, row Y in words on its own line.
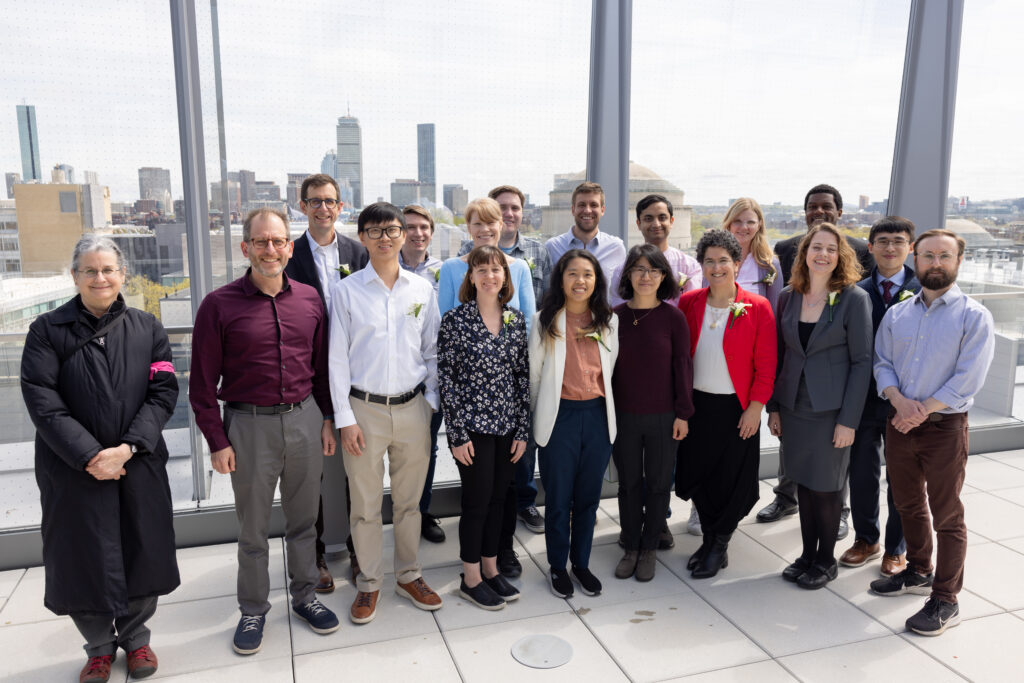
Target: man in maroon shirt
column 263, row 337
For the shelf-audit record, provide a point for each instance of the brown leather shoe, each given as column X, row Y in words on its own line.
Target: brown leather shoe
column 326, row 582
column 141, row 662
column 893, row 564
column 364, row 609
column 860, row 553
column 420, row 593
column 97, row 669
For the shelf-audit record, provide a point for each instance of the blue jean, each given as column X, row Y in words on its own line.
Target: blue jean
column 572, row 465
column 865, row 488
column 428, row 484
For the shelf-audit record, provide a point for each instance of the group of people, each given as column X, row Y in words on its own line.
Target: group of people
column 572, row 352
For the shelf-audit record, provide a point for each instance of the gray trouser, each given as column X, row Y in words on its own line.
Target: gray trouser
column 104, row 633
column 269, row 448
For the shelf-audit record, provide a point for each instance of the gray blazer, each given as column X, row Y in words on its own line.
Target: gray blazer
column 837, row 362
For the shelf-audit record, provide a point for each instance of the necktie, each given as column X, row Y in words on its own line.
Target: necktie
column 887, row 291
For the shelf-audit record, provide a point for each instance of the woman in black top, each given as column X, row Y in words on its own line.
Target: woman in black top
column 484, row 380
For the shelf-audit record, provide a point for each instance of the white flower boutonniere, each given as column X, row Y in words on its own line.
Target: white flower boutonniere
column 596, row 336
column 414, row 310
column 904, row 295
column 683, row 279
column 833, row 299
column 436, row 272
column 344, row 269
column 530, row 262
column 769, row 278
column 736, row 309
column 508, row 317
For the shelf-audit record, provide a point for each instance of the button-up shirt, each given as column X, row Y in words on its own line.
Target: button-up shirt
column 262, row 349
column 608, row 249
column 326, row 259
column 681, row 264
column 534, row 253
column 429, row 269
column 383, row 341
column 897, row 281
column 941, row 351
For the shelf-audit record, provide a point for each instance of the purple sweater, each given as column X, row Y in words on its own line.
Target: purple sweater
column 654, row 369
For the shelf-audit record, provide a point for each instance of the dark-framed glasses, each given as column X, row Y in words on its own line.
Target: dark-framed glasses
column 885, row 242
column 647, row 272
column 262, row 243
column 392, row 231
column 316, row 202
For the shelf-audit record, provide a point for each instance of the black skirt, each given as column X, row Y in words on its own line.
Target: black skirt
column 716, row 468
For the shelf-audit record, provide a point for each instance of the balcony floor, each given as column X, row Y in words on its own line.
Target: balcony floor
column 745, row 624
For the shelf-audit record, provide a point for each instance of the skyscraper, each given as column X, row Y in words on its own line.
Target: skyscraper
column 455, row 198
column 350, row 156
column 155, row 183
column 29, row 136
column 425, row 160
column 329, row 165
column 11, row 179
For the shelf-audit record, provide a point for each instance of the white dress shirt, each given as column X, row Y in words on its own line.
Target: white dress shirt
column 383, row 341
column 326, row 259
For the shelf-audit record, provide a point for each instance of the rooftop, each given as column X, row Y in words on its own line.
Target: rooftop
column 745, row 624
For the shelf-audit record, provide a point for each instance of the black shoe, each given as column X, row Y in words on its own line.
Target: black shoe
column 844, row 526
column 698, row 556
column 533, row 520
column 481, row 595
column 776, row 510
column 430, row 528
column 589, row 584
column 795, row 570
column 665, row 540
column 505, row 590
column 907, row 581
column 717, row 557
column 561, row 584
column 818, row 576
column 508, row 565
column 934, row 618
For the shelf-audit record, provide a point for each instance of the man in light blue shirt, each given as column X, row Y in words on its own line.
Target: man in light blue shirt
column 587, row 210
column 932, row 353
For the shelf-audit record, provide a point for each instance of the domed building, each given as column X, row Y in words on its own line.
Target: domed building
column 557, row 217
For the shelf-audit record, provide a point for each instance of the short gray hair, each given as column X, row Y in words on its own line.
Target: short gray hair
column 91, row 243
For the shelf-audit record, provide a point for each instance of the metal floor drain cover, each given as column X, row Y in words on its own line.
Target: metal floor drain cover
column 542, row 651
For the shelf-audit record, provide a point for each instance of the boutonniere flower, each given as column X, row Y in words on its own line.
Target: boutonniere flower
column 768, row 279
column 683, row 279
column 596, row 336
column 904, row 295
column 833, row 298
column 530, row 262
column 436, row 272
column 414, row 310
column 509, row 317
column 344, row 269
column 736, row 309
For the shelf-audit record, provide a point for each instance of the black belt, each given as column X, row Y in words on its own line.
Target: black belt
column 388, row 400
column 276, row 409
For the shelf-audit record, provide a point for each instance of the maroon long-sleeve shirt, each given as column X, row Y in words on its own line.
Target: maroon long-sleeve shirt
column 263, row 350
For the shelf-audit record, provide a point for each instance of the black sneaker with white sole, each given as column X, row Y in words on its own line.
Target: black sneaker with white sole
column 934, row 618
column 505, row 590
column 589, row 584
column 907, row 581
column 481, row 595
column 532, row 519
column 561, row 584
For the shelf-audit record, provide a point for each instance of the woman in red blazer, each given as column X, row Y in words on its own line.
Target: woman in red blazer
column 733, row 344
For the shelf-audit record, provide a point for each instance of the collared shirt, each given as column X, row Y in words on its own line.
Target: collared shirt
column 896, row 280
column 681, row 264
column 262, row 349
column 429, row 269
column 326, row 259
column 534, row 253
column 609, row 250
column 941, row 351
column 383, row 341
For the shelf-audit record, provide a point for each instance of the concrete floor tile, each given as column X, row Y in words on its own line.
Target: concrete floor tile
column 883, row 659
column 416, row 658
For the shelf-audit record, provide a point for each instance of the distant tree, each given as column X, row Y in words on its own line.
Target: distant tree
column 151, row 292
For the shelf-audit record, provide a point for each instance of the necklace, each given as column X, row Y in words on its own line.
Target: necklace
column 636, row 320
column 718, row 316
column 811, row 304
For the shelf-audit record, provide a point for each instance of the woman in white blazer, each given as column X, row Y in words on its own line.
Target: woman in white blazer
column 573, row 346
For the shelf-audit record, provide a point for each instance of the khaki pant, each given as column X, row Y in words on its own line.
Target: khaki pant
column 403, row 432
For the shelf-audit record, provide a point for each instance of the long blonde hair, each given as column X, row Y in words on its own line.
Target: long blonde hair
column 759, row 248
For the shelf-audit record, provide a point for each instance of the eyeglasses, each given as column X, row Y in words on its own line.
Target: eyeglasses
column 392, row 231
column 278, row 242
column 647, row 272
column 316, row 202
column 885, row 243
column 91, row 274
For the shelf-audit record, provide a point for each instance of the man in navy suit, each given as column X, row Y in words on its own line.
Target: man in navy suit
column 320, row 258
column 890, row 282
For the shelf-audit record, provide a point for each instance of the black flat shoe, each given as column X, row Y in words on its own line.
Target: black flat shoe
column 795, row 570
column 481, row 595
column 505, row 590
column 776, row 510
column 818, row 576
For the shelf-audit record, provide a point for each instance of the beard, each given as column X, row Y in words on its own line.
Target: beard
column 937, row 278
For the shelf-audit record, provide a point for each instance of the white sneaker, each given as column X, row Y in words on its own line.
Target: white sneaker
column 693, row 524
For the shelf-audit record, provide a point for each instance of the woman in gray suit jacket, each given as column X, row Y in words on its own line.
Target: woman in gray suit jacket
column 824, row 345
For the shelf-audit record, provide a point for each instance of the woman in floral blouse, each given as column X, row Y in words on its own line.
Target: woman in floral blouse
column 483, row 374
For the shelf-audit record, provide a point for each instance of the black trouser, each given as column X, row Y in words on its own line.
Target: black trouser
column 645, row 457
column 485, row 487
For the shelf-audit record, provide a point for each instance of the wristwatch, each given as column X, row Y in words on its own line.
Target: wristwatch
column 133, row 448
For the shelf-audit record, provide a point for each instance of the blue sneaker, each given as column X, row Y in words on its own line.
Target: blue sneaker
column 249, row 634
column 321, row 619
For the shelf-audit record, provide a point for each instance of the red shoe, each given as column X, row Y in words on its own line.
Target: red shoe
column 97, row 669
column 141, row 662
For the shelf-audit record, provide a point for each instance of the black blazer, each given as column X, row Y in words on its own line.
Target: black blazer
column 837, row 362
column 302, row 268
column 786, row 251
column 876, row 407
